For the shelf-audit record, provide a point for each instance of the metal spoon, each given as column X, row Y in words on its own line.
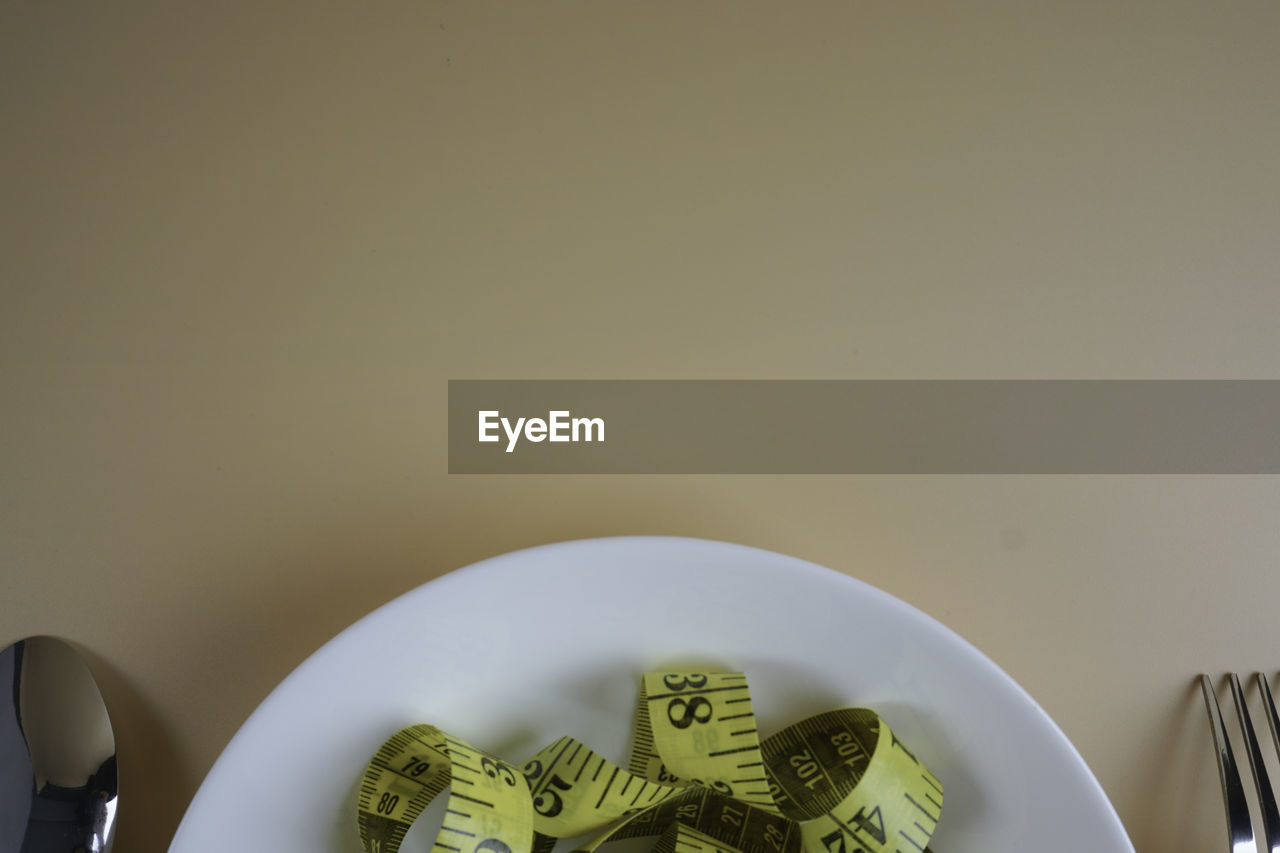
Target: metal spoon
column 57, row 753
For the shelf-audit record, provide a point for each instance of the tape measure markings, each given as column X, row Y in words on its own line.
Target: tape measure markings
column 815, row 760
column 545, row 775
column 933, row 817
column 839, row 782
column 689, row 748
column 626, row 783
column 875, row 809
column 607, row 785
column 417, row 787
column 446, row 828
column 852, row 833
column 654, row 697
column 577, row 791
column 577, row 747
column 689, row 840
column 732, row 822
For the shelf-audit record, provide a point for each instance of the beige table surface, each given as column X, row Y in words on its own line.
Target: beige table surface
column 244, row 246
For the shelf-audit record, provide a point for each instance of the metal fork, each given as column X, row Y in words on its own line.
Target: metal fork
column 1239, row 826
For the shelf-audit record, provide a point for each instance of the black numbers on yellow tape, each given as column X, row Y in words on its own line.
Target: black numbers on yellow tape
column 729, row 823
column 853, row 784
column 700, row 727
column 684, row 713
column 700, row 778
column 487, row 800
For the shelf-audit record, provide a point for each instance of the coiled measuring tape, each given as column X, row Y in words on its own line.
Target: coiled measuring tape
column 700, row 779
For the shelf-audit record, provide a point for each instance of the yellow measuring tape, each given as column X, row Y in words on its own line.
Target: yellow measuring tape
column 700, row 780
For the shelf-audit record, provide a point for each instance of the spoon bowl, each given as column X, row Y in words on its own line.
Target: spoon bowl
column 58, row 775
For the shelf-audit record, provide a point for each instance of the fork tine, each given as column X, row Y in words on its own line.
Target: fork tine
column 1270, row 705
column 1266, row 795
column 1239, row 826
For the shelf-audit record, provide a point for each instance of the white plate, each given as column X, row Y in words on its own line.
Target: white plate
column 515, row 651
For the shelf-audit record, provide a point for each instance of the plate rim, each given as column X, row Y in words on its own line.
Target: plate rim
column 463, row 574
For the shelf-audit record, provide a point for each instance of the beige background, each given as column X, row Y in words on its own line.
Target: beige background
column 244, row 245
